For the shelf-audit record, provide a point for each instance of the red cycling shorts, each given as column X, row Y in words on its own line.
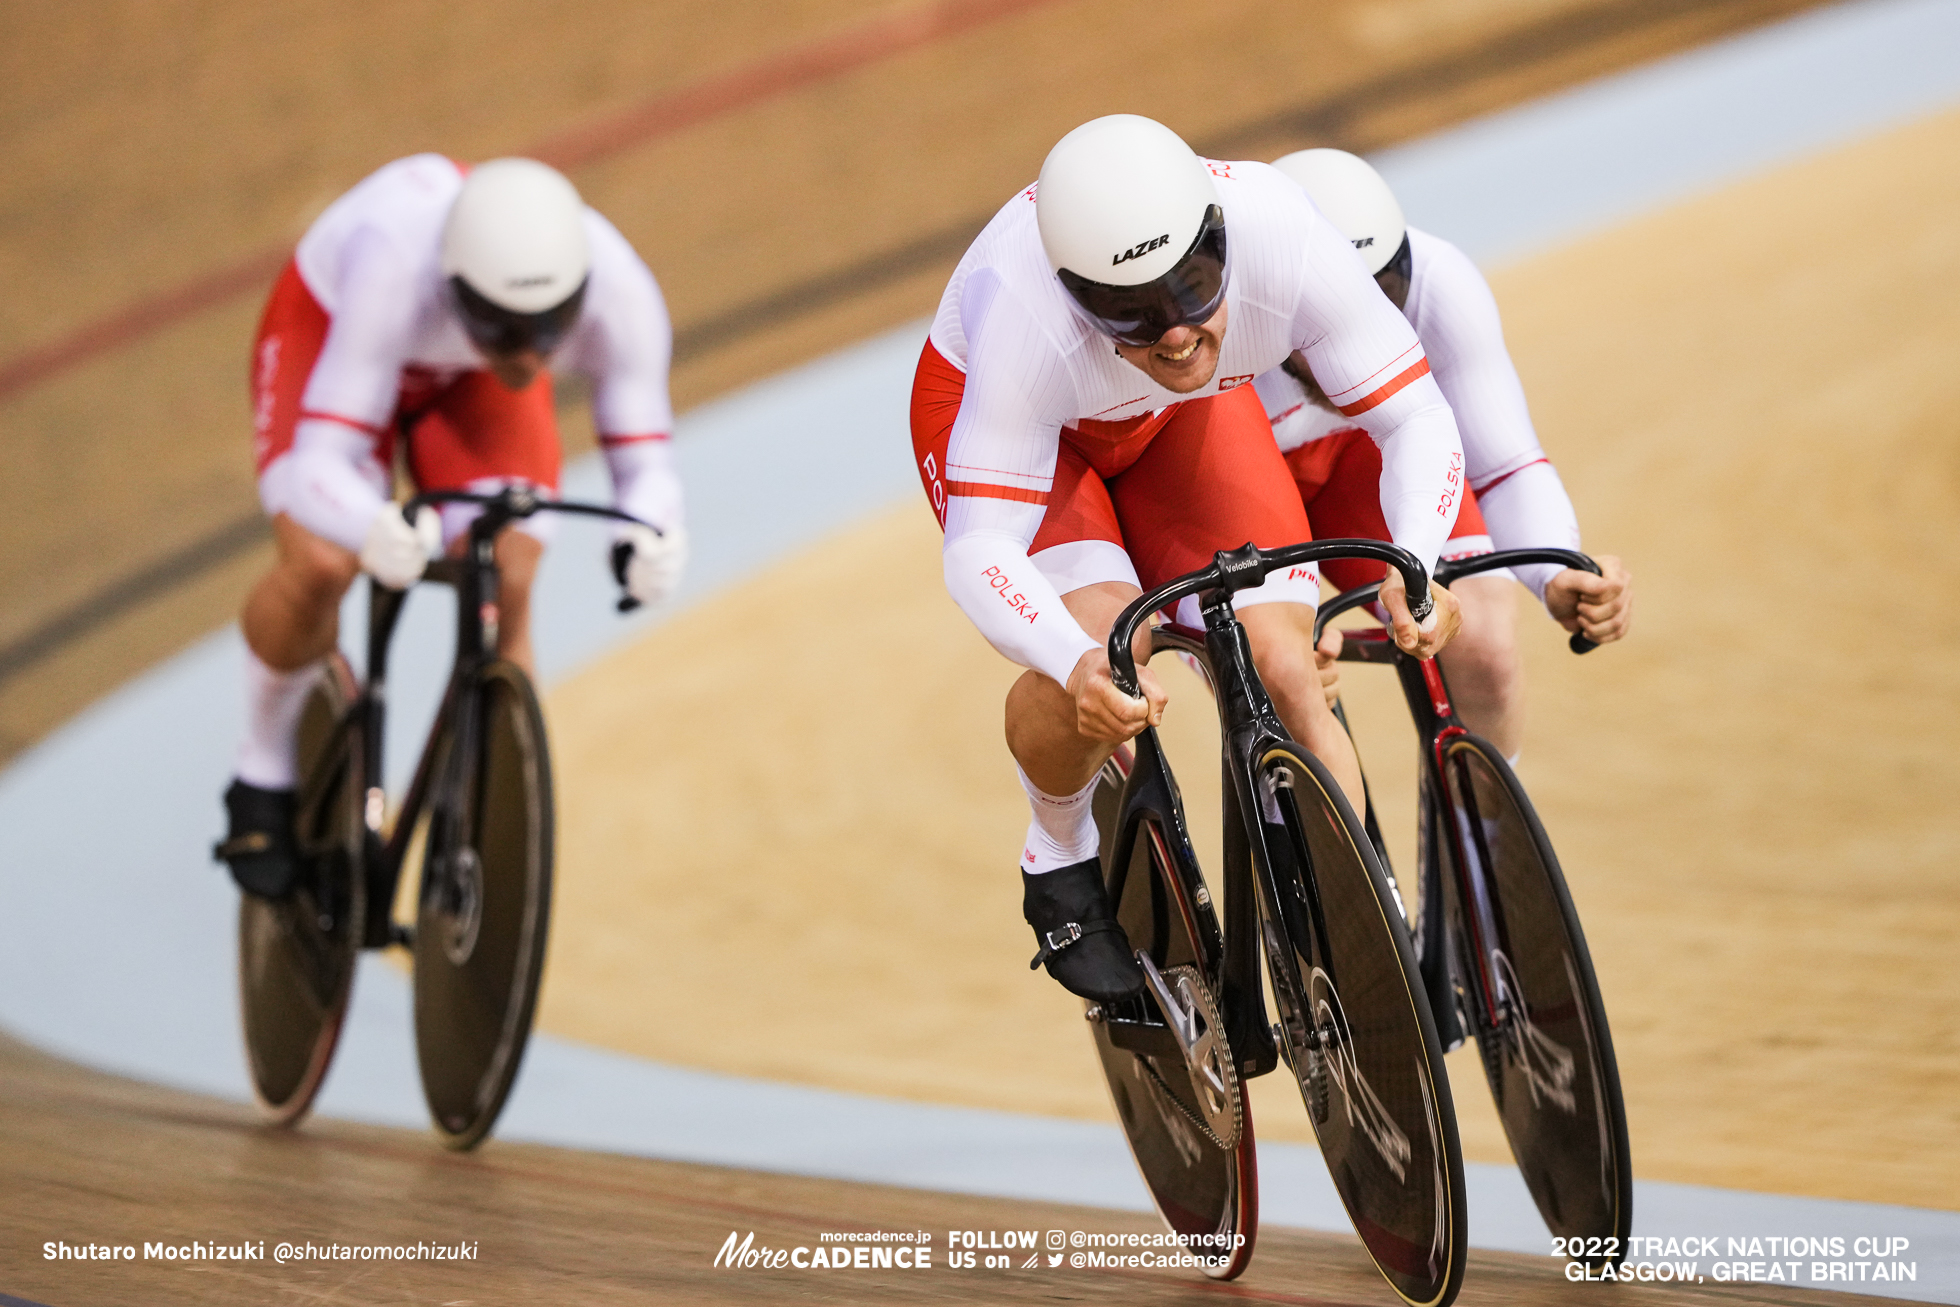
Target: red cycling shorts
column 1168, row 489
column 1339, row 479
column 459, row 429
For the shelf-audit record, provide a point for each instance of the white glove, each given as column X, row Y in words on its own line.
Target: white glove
column 396, row 553
column 649, row 565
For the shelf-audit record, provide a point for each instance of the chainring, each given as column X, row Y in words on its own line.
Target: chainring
column 1224, row 1080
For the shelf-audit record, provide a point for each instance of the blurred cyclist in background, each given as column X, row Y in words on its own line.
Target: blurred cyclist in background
column 1084, row 426
column 429, row 306
column 1516, row 499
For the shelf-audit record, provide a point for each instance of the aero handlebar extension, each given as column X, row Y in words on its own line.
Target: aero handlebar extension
column 1243, row 568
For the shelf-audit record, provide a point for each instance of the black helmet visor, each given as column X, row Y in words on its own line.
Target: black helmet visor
column 498, row 330
column 1190, row 292
column 1400, row 264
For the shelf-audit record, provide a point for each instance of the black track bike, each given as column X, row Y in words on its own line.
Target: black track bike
column 1502, row 955
column 480, row 813
column 1302, row 878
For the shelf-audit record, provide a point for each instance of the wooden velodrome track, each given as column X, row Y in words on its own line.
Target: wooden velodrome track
column 1751, row 796
column 90, row 1158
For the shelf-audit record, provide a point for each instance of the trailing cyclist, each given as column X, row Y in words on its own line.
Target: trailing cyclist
column 1083, row 427
column 430, row 306
column 1511, row 483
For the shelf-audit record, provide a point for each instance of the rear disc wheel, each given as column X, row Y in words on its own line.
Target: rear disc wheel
column 1187, row 1120
column 296, row 955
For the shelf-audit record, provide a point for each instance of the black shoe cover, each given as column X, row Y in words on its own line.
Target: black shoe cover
column 260, row 849
column 1080, row 941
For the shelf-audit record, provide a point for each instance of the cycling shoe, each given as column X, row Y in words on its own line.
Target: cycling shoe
column 1081, row 943
column 260, row 849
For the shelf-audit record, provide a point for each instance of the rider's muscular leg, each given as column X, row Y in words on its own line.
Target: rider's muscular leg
column 1041, row 732
column 1062, row 896
column 517, row 566
column 1281, row 635
column 292, row 615
column 291, row 620
column 1485, row 677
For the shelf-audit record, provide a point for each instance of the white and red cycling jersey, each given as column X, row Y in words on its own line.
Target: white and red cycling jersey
column 361, row 342
column 1451, row 308
column 1037, row 371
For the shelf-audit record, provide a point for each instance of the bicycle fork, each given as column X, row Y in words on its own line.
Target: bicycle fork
column 1247, row 720
column 453, row 881
column 1452, row 998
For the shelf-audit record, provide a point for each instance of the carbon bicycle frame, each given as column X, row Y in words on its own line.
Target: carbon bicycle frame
column 478, row 584
column 1248, row 726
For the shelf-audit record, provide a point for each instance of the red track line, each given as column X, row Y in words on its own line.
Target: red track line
column 139, row 320
column 662, row 115
column 894, row 34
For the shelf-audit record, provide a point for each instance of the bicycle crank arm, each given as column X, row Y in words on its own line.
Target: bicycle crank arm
column 1181, row 1017
column 1149, row 1037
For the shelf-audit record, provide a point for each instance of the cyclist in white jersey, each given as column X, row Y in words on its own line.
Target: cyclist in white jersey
column 428, row 308
column 1514, row 488
column 1083, row 425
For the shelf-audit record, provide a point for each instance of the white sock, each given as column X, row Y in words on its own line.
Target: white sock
column 1063, row 831
column 272, row 706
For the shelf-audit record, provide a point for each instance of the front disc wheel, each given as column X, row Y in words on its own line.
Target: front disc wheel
column 484, row 912
column 1358, row 1032
column 1547, row 1053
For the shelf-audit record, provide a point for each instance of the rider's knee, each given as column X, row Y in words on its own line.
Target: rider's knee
column 518, row 555
column 316, row 572
column 1282, row 650
column 1483, row 660
column 1032, row 696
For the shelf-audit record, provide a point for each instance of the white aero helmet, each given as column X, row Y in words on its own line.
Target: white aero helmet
column 1355, row 199
column 1132, row 226
column 514, row 251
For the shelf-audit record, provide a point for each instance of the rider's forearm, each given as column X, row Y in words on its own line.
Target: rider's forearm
column 998, row 587
column 1530, row 510
column 328, row 493
column 645, row 483
column 1422, row 481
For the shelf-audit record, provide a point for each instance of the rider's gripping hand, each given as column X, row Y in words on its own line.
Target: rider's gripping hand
column 1324, row 655
column 396, row 553
column 1439, row 629
column 1597, row 607
column 1103, row 712
column 646, row 565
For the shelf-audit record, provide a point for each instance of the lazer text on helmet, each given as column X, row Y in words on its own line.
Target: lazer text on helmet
column 1139, row 251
